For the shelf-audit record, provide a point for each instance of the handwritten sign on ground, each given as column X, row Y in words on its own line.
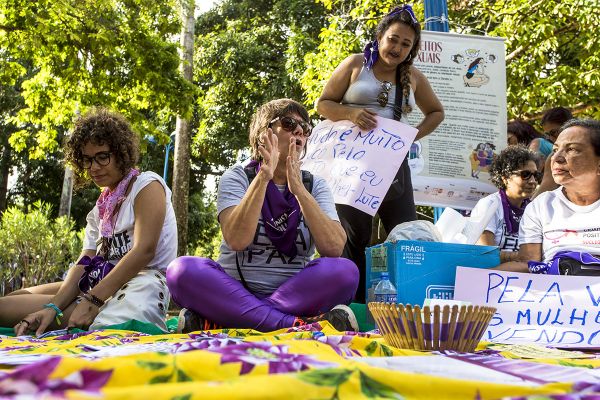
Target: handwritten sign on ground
column 359, row 166
column 555, row 310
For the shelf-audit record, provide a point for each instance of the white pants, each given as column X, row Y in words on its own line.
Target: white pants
column 144, row 298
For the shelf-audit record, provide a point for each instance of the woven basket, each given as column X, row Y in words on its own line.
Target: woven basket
column 438, row 328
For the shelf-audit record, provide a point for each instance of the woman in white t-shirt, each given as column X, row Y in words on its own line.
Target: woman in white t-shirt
column 568, row 218
column 130, row 238
column 515, row 174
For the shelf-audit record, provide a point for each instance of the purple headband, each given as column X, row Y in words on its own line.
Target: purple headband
column 371, row 51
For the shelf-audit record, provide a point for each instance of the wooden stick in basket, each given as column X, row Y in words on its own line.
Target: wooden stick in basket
column 379, row 311
column 391, row 317
column 427, row 328
column 473, row 327
column 487, row 314
column 465, row 328
column 419, row 327
column 444, row 328
column 405, row 324
column 409, row 324
column 474, row 324
column 452, row 330
column 436, row 327
column 459, row 324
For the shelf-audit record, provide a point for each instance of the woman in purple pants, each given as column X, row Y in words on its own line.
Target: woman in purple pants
column 272, row 216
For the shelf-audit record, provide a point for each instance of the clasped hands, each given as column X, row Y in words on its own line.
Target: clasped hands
column 269, row 150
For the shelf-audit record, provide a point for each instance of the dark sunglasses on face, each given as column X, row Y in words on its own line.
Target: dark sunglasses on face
column 383, row 96
column 526, row 175
column 290, row 124
column 102, row 158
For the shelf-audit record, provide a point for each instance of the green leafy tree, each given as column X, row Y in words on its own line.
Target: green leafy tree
column 247, row 53
column 36, row 248
column 86, row 53
column 552, row 49
column 205, row 233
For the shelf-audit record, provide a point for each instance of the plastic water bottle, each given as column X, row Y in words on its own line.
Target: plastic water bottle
column 385, row 291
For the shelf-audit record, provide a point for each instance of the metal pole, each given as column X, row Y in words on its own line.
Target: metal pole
column 166, row 169
column 436, row 19
column 436, row 15
column 168, row 148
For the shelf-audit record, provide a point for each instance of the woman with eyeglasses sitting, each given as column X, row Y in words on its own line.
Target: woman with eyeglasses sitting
column 273, row 216
column 383, row 82
column 514, row 172
column 130, row 238
column 560, row 229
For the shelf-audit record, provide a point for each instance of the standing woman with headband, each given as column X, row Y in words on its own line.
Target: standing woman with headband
column 383, row 82
column 130, row 238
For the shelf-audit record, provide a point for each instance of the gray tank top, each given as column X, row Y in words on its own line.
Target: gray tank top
column 364, row 90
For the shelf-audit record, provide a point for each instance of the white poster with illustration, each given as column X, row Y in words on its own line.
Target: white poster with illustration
column 450, row 166
column 358, row 166
column 549, row 310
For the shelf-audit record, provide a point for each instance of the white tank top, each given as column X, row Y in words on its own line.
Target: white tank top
column 122, row 237
column 363, row 93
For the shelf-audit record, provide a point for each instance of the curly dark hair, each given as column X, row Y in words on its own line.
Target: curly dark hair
column 508, row 161
column 101, row 126
column 523, row 131
column 403, row 70
column 268, row 112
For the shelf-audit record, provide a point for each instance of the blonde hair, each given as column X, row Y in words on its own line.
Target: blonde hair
column 267, row 113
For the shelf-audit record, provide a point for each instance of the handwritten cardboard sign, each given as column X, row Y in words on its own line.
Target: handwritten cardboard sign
column 359, row 166
column 555, row 310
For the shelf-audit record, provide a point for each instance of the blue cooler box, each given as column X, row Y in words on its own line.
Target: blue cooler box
column 424, row 270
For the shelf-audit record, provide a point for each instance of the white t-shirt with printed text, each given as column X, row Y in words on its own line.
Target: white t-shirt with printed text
column 560, row 225
column 503, row 239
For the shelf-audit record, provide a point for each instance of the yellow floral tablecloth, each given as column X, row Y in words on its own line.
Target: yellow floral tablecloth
column 313, row 362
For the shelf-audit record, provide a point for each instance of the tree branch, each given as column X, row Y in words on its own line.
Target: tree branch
column 517, row 52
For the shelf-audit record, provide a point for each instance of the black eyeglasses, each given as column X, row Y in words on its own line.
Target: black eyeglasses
column 383, row 96
column 290, row 124
column 102, row 158
column 526, row 175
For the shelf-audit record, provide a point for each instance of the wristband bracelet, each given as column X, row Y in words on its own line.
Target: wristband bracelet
column 58, row 311
column 93, row 299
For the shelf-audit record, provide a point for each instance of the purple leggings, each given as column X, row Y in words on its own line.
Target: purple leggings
column 202, row 285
